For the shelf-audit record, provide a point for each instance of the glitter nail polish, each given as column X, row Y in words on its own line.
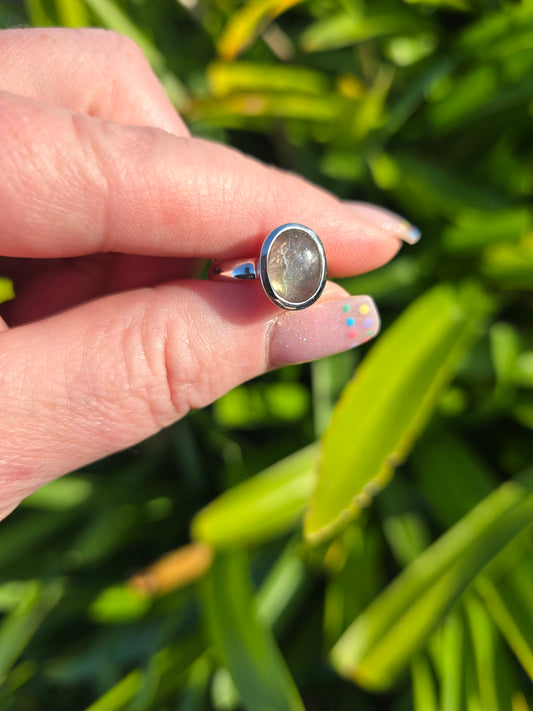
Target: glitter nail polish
column 323, row 329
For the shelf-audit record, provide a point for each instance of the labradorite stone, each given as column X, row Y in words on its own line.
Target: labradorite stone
column 294, row 266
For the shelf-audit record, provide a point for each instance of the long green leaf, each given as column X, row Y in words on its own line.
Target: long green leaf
column 452, row 662
column 424, row 691
column 381, row 642
column 236, row 108
column 38, row 13
column 145, row 689
column 245, row 645
column 72, row 13
column 246, row 23
column 120, row 696
column 111, row 16
column 284, row 584
column 21, row 624
column 389, row 401
column 454, row 480
column 355, row 562
column 483, row 633
column 263, row 507
column 347, row 28
column 451, row 476
column 509, row 602
column 226, row 78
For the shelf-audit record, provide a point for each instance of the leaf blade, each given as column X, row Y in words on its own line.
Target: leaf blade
column 246, row 646
column 390, row 411
column 260, row 508
column 382, row 640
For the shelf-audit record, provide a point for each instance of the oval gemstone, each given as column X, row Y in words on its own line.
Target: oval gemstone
column 294, row 266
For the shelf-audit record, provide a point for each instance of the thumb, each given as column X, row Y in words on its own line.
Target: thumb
column 103, row 376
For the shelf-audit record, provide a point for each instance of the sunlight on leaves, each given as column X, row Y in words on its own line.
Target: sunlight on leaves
column 378, row 418
column 248, row 22
column 262, row 507
column 376, row 647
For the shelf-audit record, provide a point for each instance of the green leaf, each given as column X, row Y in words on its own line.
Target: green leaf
column 119, row 604
column 237, row 108
column 72, row 13
column 384, row 408
column 452, row 653
column 415, row 95
column 245, row 645
column 21, row 537
column 226, row 78
column 111, row 16
column 424, row 691
column 38, row 13
column 6, row 289
column 263, row 507
column 523, row 373
column 344, row 29
column 505, row 350
column 247, row 22
column 407, row 535
column 120, row 696
column 445, row 191
column 283, row 585
column 483, row 633
column 23, row 621
column 508, row 600
column 474, row 230
column 328, row 377
column 167, row 673
column 383, row 639
column 457, row 4
column 397, row 278
column 61, row 494
column 11, row 17
column 255, row 405
column 452, row 477
column 355, row 562
column 454, row 480
column 495, row 34
column 510, row 266
column 11, row 593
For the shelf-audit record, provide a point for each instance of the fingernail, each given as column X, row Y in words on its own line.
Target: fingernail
column 323, row 329
column 387, row 220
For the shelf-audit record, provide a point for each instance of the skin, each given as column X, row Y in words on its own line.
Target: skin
column 106, row 205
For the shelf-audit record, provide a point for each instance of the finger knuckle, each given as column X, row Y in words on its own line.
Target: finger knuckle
column 176, row 378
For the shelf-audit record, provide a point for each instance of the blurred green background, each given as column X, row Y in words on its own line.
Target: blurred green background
column 289, row 582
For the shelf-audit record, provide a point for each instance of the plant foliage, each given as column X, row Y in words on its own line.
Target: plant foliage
column 260, row 554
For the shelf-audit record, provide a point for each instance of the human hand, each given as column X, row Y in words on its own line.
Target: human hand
column 106, row 205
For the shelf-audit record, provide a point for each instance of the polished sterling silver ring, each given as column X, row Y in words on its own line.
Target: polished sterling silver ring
column 291, row 266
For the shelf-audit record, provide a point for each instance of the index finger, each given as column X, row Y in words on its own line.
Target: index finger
column 72, row 184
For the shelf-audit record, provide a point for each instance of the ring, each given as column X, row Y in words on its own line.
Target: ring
column 291, row 266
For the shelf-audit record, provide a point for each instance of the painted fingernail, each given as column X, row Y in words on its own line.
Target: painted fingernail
column 387, row 220
column 323, row 329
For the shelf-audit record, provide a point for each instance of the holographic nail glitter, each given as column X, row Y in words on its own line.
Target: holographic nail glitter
column 323, row 329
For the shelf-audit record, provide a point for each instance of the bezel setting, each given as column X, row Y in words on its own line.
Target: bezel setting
column 264, row 276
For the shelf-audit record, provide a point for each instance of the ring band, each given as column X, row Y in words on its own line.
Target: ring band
column 291, row 266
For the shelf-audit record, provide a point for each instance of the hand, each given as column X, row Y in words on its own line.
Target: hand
column 106, row 205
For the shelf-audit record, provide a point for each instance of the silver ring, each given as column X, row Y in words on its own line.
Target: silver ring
column 291, row 266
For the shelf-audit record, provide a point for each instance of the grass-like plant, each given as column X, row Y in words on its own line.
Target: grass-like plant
column 316, row 539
